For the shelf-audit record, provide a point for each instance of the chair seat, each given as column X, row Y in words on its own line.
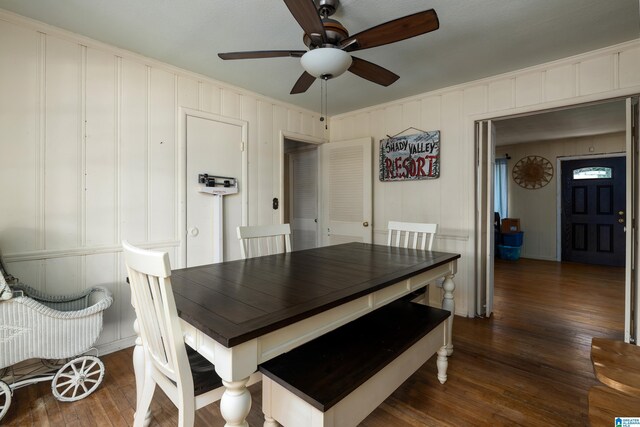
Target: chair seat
column 203, row 372
column 617, row 364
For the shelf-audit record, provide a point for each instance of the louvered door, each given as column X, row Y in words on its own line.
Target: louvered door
column 347, row 191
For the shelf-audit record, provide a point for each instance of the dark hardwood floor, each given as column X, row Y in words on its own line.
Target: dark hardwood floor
column 527, row 365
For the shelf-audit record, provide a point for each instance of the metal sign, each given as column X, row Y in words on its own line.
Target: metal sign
column 410, row 157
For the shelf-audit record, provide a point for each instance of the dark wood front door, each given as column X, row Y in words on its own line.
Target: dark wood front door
column 593, row 211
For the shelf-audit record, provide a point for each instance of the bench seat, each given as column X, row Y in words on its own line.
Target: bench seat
column 341, row 377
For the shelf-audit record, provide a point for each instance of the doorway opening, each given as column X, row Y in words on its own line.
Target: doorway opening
column 301, row 190
column 590, row 134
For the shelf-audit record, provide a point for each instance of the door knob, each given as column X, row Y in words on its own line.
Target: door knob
column 194, row 231
column 621, row 221
column 365, row 224
column 620, row 212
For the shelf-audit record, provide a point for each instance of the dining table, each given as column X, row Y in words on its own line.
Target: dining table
column 239, row 314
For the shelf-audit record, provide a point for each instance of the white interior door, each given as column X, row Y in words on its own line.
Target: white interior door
column 485, row 239
column 491, row 164
column 632, row 294
column 347, row 192
column 303, row 194
column 213, row 147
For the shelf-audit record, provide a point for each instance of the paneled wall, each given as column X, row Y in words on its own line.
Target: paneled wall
column 450, row 200
column 537, row 209
column 89, row 143
column 90, row 149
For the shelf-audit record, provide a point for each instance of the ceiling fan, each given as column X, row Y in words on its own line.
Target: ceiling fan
column 329, row 43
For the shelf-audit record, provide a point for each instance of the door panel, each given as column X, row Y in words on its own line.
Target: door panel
column 632, row 296
column 485, row 207
column 213, row 147
column 593, row 211
column 347, row 192
column 491, row 165
column 304, row 199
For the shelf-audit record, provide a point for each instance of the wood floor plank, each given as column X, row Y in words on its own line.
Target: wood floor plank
column 529, row 364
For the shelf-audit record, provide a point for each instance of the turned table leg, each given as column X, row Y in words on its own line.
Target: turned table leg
column 235, row 403
column 449, row 304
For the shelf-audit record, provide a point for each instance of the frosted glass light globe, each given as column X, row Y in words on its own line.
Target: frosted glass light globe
column 326, row 62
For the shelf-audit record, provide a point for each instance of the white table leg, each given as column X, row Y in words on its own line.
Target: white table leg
column 235, row 403
column 449, row 304
column 139, row 368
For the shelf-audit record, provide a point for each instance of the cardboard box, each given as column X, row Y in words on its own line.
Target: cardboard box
column 510, row 225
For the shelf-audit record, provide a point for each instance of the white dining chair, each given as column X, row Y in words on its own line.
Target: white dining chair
column 414, row 235
column 187, row 378
column 260, row 240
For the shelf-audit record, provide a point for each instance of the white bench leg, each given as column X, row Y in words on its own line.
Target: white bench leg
column 270, row 422
column 442, row 363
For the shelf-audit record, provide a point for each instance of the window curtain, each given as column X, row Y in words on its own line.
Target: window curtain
column 500, row 191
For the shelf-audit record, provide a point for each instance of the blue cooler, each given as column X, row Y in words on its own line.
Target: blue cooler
column 512, row 239
column 511, row 253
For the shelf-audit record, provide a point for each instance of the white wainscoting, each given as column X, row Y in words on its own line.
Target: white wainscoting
column 89, row 149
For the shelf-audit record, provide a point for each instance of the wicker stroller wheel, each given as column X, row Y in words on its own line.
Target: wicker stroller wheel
column 77, row 379
column 5, row 399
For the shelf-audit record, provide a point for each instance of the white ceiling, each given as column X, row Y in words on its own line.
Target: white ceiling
column 579, row 121
column 477, row 38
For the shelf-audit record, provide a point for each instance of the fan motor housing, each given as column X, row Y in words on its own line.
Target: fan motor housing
column 334, row 30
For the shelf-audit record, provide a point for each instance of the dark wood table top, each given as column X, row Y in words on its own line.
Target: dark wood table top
column 236, row 301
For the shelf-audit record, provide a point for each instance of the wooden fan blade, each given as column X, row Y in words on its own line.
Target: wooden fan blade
column 393, row 31
column 256, row 54
column 305, row 12
column 372, row 72
column 303, row 83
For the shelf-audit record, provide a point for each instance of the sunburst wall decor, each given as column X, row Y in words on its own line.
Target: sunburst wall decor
column 532, row 172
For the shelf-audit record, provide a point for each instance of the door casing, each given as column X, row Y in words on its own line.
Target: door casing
column 480, row 258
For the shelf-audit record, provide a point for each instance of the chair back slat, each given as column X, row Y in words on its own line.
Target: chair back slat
column 411, row 235
column 149, row 276
column 264, row 240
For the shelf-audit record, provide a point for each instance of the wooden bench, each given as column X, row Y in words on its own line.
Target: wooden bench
column 341, row 377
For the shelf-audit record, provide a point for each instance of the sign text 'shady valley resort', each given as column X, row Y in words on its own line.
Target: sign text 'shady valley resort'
column 410, row 157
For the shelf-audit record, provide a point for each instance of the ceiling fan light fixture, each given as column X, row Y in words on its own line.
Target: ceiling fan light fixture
column 326, row 62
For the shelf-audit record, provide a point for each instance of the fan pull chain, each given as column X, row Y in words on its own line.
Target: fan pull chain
column 323, row 100
column 326, row 103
